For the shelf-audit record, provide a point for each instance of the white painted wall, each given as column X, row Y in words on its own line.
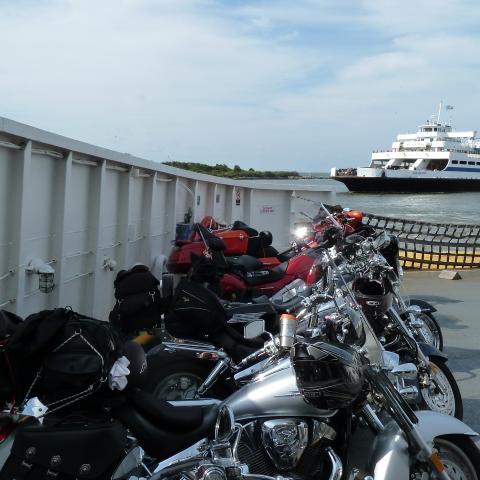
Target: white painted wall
column 74, row 205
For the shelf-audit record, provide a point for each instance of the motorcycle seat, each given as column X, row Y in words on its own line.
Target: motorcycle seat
column 163, row 429
column 244, row 263
column 265, row 275
column 236, row 345
column 264, row 307
column 238, row 225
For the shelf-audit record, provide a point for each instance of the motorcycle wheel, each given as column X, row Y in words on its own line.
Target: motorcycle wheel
column 179, row 378
column 459, row 456
column 450, row 401
column 430, row 333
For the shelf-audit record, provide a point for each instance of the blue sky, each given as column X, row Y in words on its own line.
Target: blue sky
column 304, row 84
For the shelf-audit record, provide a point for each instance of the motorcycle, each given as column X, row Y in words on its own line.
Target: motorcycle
column 310, row 411
column 182, row 371
column 371, row 281
column 238, row 240
column 244, row 277
column 328, row 411
column 247, row 272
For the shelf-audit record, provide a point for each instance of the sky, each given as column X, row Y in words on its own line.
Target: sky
column 270, row 84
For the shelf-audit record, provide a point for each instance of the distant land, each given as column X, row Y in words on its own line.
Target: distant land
column 222, row 170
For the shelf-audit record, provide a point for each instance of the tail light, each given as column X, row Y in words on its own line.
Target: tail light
column 5, row 431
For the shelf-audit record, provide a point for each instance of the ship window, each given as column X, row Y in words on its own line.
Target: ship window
column 455, row 162
column 436, row 164
column 478, row 163
column 463, row 162
column 471, row 163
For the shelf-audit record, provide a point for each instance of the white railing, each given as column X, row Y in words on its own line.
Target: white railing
column 86, row 212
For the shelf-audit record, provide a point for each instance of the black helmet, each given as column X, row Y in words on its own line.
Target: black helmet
column 374, row 296
column 328, row 376
column 266, row 238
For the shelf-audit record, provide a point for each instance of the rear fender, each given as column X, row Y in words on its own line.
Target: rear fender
column 193, row 349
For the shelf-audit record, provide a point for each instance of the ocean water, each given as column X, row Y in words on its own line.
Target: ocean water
column 428, row 207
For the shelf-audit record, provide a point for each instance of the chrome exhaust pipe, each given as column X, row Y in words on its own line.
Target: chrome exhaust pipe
column 337, row 467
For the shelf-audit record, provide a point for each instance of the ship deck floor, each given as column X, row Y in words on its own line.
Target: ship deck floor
column 458, row 306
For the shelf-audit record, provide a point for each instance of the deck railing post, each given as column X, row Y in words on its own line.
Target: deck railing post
column 95, row 301
column 125, row 220
column 19, row 254
column 62, row 210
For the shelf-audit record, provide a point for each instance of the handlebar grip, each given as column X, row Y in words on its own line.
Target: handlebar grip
column 282, row 307
column 252, row 358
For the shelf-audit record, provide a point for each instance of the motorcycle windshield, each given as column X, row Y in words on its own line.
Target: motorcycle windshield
column 372, row 348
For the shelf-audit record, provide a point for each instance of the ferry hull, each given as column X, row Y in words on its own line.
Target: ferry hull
column 408, row 185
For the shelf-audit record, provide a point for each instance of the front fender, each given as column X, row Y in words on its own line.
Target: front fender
column 434, row 424
column 390, row 459
column 425, row 306
column 430, row 351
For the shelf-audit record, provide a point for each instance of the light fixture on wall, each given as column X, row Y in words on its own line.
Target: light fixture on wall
column 46, row 274
column 109, row 264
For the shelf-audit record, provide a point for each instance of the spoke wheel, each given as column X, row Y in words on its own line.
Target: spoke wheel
column 457, row 460
column 442, row 394
column 178, row 386
column 430, row 332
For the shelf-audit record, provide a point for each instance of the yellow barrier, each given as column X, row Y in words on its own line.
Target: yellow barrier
column 439, row 261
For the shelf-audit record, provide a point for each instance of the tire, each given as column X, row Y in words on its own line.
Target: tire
column 431, row 333
column 171, row 377
column 460, row 457
column 449, row 404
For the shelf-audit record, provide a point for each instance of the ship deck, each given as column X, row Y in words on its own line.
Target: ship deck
column 457, row 305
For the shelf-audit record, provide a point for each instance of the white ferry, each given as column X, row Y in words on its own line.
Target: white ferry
column 435, row 159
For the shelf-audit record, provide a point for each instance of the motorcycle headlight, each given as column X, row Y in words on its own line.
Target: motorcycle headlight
column 300, row 232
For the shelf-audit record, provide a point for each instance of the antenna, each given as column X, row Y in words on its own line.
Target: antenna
column 439, row 111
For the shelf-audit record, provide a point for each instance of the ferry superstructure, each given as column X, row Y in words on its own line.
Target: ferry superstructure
column 436, row 158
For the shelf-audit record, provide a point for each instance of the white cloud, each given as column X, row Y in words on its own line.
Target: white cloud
column 199, row 80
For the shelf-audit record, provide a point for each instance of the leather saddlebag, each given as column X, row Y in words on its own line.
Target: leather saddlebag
column 69, row 450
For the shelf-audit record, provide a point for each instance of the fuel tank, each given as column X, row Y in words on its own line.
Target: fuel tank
column 273, row 392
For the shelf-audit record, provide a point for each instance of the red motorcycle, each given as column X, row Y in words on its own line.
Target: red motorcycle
column 244, row 277
column 349, row 221
column 239, row 239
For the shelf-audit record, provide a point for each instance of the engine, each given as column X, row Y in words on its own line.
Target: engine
column 291, row 447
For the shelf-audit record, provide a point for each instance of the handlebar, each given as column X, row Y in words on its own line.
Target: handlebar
column 252, row 358
column 291, row 304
